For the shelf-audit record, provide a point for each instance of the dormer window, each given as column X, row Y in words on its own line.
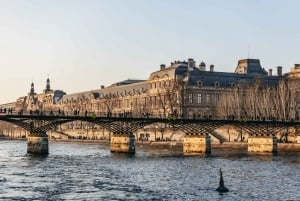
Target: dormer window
column 217, row 84
column 199, row 83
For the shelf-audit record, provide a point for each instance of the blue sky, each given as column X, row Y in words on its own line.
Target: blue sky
column 82, row 44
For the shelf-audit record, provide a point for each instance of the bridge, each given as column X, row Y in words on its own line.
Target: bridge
column 124, row 127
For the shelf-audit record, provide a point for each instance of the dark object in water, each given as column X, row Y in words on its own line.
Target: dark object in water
column 221, row 188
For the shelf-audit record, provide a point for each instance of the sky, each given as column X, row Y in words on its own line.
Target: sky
column 83, row 44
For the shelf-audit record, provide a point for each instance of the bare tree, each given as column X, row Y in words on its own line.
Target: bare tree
column 110, row 102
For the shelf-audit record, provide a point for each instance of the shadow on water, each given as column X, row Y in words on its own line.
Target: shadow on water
column 117, row 155
column 39, row 157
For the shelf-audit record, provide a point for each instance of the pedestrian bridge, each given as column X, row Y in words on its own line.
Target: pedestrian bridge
column 38, row 125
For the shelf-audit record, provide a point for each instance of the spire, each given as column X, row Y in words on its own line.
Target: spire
column 32, row 88
column 48, row 84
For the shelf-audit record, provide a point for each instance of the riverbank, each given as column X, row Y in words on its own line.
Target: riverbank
column 177, row 145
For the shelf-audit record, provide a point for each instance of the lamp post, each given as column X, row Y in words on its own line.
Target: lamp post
column 161, row 129
column 131, row 106
column 44, row 107
column 155, row 128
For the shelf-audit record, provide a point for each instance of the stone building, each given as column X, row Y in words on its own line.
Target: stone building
column 181, row 89
column 39, row 103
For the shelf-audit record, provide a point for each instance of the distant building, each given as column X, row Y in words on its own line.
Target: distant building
column 39, row 103
column 181, row 89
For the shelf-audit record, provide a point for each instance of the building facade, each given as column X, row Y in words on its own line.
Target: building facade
column 180, row 90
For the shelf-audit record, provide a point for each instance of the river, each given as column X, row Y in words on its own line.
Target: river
column 82, row 171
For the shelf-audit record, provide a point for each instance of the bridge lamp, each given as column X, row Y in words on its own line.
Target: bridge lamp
column 131, row 106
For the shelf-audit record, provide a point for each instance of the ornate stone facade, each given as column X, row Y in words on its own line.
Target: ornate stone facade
column 181, row 89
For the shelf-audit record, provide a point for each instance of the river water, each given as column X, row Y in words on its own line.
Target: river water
column 81, row 171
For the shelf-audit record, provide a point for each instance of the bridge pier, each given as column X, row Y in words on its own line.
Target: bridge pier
column 122, row 143
column 262, row 143
column 37, row 144
column 194, row 144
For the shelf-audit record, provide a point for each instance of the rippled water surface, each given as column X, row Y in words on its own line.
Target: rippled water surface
column 75, row 171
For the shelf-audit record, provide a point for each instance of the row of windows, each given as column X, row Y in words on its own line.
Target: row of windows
column 200, row 84
column 161, row 84
column 193, row 98
column 208, row 98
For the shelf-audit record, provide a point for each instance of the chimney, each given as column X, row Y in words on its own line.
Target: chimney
column 102, row 86
column 202, row 66
column 279, row 71
column 270, row 72
column 162, row 66
column 211, row 68
column 191, row 64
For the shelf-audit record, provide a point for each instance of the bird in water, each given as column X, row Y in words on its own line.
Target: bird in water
column 221, row 188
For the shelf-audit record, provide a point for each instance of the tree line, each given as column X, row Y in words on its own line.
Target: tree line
column 261, row 102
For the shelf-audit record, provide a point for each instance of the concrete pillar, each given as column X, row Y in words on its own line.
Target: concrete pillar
column 122, row 143
column 262, row 143
column 37, row 145
column 194, row 144
column 297, row 139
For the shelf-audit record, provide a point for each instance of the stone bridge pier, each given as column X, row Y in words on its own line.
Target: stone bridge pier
column 196, row 144
column 122, row 143
column 262, row 143
column 37, row 144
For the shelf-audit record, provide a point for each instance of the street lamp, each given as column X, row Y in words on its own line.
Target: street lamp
column 131, row 106
column 155, row 128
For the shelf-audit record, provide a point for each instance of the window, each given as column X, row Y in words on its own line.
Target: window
column 190, row 98
column 199, row 98
column 217, row 98
column 199, row 83
column 217, row 84
column 208, row 98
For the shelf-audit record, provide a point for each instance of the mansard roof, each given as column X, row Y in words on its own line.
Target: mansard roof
column 250, row 66
column 208, row 78
column 247, row 72
column 177, row 68
column 138, row 86
column 128, row 81
column 83, row 95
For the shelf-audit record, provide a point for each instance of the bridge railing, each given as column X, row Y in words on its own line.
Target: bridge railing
column 134, row 115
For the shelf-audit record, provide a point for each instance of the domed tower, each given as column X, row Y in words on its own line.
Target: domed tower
column 31, row 89
column 48, row 84
column 48, row 88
